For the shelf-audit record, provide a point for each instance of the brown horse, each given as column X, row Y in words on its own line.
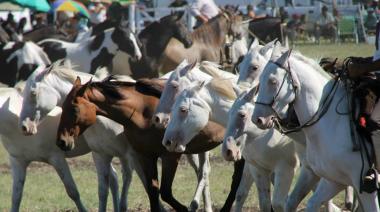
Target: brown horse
column 133, row 104
column 208, row 42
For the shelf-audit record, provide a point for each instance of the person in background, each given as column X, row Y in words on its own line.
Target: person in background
column 204, row 10
column 178, row 3
column 284, row 15
column 371, row 20
column 250, row 12
column 97, row 12
column 292, row 28
column 326, row 25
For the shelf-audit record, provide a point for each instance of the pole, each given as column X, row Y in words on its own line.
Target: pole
column 132, row 15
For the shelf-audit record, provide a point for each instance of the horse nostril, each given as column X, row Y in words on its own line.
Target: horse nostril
column 260, row 121
column 157, row 119
column 24, row 128
column 168, row 143
column 229, row 153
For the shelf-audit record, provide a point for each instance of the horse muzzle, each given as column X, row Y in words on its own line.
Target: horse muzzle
column 230, row 151
column 264, row 122
column 65, row 143
column 29, row 127
column 161, row 120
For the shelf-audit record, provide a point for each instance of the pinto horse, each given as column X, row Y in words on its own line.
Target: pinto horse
column 95, row 52
column 132, row 104
column 18, row 60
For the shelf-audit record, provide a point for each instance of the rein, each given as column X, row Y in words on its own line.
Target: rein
column 280, row 123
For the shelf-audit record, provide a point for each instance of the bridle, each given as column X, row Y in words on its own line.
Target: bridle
column 286, row 76
column 322, row 110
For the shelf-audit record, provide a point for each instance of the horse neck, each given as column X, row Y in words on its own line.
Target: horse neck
column 131, row 115
column 314, row 89
column 156, row 43
column 220, row 106
column 107, row 42
column 61, row 86
column 213, row 32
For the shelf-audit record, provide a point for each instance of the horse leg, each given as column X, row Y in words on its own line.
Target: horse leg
column 202, row 177
column 325, row 191
column 18, row 167
column 244, row 187
column 369, row 202
column 263, row 183
column 127, row 171
column 283, row 177
column 205, row 172
column 193, row 160
column 169, row 168
column 305, row 183
column 104, row 170
column 236, row 178
column 151, row 184
column 349, row 198
column 62, row 168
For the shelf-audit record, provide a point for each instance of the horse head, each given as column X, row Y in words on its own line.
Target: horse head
column 189, row 116
column 178, row 28
column 174, row 85
column 77, row 115
column 276, row 91
column 239, row 124
column 253, row 63
column 126, row 41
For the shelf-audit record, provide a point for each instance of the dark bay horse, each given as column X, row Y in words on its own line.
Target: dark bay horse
column 208, row 42
column 266, row 29
column 154, row 39
column 133, row 104
column 49, row 31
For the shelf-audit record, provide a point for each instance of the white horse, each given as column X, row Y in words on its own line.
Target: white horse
column 250, row 69
column 200, row 103
column 94, row 52
column 40, row 147
column 293, row 78
column 47, row 88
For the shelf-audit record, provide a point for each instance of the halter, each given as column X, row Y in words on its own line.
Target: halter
column 317, row 115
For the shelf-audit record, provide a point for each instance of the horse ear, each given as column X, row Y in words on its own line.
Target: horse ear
column 77, row 82
column 179, row 16
column 276, row 53
column 251, row 94
column 284, row 58
column 263, row 51
column 254, row 44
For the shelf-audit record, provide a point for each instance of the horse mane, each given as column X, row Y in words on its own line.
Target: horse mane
column 205, row 31
column 223, row 87
column 152, row 87
column 96, row 42
column 313, row 63
column 63, row 69
column 151, row 29
column 145, row 86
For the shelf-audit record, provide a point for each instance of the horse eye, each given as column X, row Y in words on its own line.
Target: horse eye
column 242, row 115
column 254, row 68
column 183, row 109
column 273, row 81
column 238, row 143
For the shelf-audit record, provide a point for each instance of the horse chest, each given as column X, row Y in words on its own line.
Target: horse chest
column 147, row 141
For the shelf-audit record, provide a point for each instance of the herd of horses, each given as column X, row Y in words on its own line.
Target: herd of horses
column 114, row 103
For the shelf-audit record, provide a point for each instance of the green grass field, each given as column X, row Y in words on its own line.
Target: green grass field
column 44, row 192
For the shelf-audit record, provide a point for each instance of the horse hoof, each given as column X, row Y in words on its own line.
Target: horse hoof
column 194, row 206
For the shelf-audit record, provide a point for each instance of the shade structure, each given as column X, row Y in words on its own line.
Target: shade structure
column 69, row 5
column 39, row 5
column 9, row 6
